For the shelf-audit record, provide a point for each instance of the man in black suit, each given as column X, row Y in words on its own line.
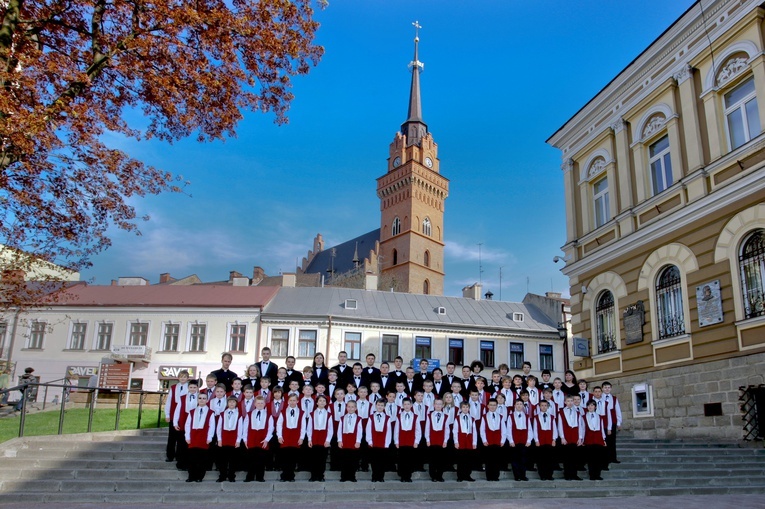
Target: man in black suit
column 398, row 372
column 344, row 372
column 292, row 373
column 450, row 377
column 422, row 375
column 387, row 380
column 224, row 375
column 267, row 368
column 370, row 373
column 440, row 385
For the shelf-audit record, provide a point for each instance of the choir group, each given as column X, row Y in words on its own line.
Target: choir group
column 388, row 419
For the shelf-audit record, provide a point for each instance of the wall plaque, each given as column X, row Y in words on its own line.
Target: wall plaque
column 634, row 319
column 709, row 303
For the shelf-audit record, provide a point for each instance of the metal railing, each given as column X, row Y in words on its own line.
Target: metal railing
column 30, row 391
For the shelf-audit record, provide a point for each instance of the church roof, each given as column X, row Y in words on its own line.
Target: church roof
column 343, row 255
column 407, row 308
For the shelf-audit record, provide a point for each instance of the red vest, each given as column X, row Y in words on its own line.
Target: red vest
column 465, row 440
column 183, row 414
column 377, row 439
column 570, row 433
column 291, row 436
column 255, row 437
column 243, row 405
column 545, row 436
column 349, row 439
column 595, row 437
column 319, row 436
column 199, row 436
column 173, row 402
column 406, row 437
column 228, row 438
column 493, row 437
column 437, row 437
column 520, row 436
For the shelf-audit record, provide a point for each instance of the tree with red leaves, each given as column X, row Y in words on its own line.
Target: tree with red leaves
column 69, row 69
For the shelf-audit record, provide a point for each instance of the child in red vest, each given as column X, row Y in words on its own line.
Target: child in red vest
column 349, row 436
column 519, row 434
column 257, row 430
column 291, row 431
column 545, row 435
column 437, row 438
column 186, row 404
column 200, row 430
column 465, row 442
column 571, row 434
column 406, row 437
column 228, row 434
column 378, row 436
column 320, row 434
column 493, row 436
column 596, row 427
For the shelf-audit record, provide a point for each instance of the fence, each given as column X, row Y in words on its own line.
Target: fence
column 94, row 395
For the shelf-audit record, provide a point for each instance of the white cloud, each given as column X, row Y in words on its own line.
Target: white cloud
column 456, row 251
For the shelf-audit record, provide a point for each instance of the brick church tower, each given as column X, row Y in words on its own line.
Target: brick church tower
column 412, row 195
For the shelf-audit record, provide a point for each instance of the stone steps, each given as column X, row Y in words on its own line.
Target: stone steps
column 119, row 466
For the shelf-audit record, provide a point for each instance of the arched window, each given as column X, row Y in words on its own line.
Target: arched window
column 426, row 228
column 605, row 322
column 426, row 287
column 752, row 266
column 395, row 257
column 396, row 228
column 669, row 303
column 426, row 258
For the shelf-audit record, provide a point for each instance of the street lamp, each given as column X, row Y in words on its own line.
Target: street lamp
column 562, row 330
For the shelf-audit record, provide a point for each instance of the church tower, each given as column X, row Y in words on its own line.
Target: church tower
column 412, row 195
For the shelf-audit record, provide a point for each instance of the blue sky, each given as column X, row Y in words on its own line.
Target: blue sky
column 500, row 77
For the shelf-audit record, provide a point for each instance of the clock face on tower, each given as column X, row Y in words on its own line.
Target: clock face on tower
column 397, row 162
column 428, row 162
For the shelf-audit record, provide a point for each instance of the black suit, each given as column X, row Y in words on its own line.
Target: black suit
column 225, row 377
column 343, row 376
column 387, row 385
column 367, row 378
column 445, row 387
column 419, row 379
column 320, row 378
column 410, row 388
column 270, row 372
column 398, row 377
column 296, row 376
column 454, row 378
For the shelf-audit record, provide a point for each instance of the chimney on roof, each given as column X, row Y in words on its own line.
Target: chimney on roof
column 370, row 281
column 289, row 280
column 240, row 281
column 233, row 274
column 258, row 275
column 114, row 282
column 132, row 281
column 472, row 292
column 165, row 278
column 553, row 295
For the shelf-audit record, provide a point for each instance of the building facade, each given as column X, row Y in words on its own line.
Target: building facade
column 665, row 206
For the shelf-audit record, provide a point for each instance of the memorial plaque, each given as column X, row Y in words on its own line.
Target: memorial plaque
column 709, row 303
column 634, row 319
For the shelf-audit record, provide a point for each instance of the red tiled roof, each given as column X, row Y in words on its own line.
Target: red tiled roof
column 166, row 295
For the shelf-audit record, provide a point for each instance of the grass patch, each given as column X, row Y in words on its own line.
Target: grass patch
column 76, row 421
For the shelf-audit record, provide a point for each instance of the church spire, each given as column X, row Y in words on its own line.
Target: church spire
column 414, row 128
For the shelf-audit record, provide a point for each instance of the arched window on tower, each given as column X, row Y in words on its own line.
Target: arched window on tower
column 669, row 302
column 426, row 228
column 396, row 228
column 752, row 267
column 426, row 258
column 426, row 287
column 395, row 257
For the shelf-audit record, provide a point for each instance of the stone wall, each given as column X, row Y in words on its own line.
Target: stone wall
column 679, row 395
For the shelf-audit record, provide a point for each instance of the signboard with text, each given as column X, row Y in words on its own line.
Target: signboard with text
column 115, row 376
column 171, row 372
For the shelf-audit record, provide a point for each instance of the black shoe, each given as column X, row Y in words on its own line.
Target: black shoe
column 232, row 480
column 616, row 461
column 524, row 478
column 248, row 480
column 260, row 480
column 469, row 479
column 577, row 478
column 353, row 480
column 605, row 469
column 198, row 480
column 311, row 480
column 169, row 460
column 374, row 480
column 220, row 479
column 189, row 480
column 379, row 480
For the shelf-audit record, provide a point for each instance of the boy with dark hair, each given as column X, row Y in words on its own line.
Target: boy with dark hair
column 199, row 432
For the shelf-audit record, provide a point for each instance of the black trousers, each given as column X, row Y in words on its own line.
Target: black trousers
column 226, row 462
column 544, row 456
column 174, row 437
column 465, row 459
column 349, row 463
column 518, row 460
column 571, row 458
column 198, row 461
column 492, row 456
column 288, row 461
column 406, row 458
column 256, row 463
column 437, row 461
column 596, row 455
column 182, row 455
column 611, row 446
column 378, row 460
column 318, row 455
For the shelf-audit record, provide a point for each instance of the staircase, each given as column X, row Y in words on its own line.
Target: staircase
column 120, row 467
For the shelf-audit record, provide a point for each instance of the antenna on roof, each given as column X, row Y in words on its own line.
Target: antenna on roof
column 480, row 265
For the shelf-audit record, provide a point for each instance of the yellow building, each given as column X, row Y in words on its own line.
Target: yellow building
column 665, row 207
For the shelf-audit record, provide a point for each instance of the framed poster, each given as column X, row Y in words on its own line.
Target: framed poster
column 709, row 303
